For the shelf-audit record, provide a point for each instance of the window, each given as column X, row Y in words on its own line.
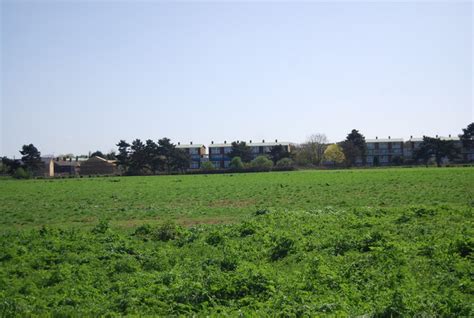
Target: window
column 227, row 150
column 194, row 165
column 193, row 151
column 215, row 150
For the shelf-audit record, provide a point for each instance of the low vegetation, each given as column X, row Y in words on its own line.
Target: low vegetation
column 384, row 242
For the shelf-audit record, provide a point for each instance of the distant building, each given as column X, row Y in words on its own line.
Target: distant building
column 413, row 144
column 219, row 153
column 383, row 151
column 66, row 166
column 410, row 147
column 98, row 166
column 47, row 168
column 197, row 152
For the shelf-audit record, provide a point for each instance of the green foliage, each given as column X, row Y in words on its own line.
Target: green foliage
column 467, row 137
column 167, row 231
column 236, row 163
column 385, row 242
column 141, row 158
column 207, row 166
column 285, row 163
column 241, row 150
column 438, row 149
column 354, row 147
column 315, row 262
column 262, row 162
column 278, row 153
column 21, row 173
column 334, row 154
column 101, row 228
column 31, row 157
column 224, row 198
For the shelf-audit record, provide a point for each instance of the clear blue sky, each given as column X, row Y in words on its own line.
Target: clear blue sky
column 81, row 75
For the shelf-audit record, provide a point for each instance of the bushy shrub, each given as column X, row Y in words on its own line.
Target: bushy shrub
column 284, row 163
column 21, row 173
column 261, row 212
column 143, row 230
column 282, row 247
column 207, row 166
column 262, row 162
column 168, row 231
column 214, row 238
column 464, row 246
column 236, row 163
column 101, row 228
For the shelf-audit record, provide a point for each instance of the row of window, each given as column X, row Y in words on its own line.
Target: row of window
column 384, row 145
column 384, row 152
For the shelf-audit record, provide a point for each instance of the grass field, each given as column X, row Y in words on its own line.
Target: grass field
column 129, row 201
column 381, row 242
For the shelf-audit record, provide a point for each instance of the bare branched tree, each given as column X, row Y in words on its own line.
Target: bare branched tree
column 311, row 152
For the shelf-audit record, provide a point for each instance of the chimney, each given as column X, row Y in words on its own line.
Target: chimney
column 411, row 137
column 191, row 142
column 77, row 158
column 449, row 135
column 436, row 136
column 388, row 137
column 179, row 143
column 238, row 142
column 276, row 140
column 225, row 141
column 263, row 140
column 212, row 142
column 250, row 140
column 70, row 159
column 376, row 137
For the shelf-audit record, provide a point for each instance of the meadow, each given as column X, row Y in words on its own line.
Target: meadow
column 379, row 242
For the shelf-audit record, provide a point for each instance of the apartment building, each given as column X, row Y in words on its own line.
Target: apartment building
column 383, row 151
column 197, row 152
column 219, row 153
column 413, row 144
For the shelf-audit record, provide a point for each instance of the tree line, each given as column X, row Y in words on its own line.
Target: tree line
column 150, row 157
column 353, row 150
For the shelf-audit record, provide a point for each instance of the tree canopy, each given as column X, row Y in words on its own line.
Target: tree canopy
column 278, row 152
column 31, row 157
column 334, row 153
column 151, row 157
column 354, row 147
column 438, row 149
column 240, row 149
column 467, row 137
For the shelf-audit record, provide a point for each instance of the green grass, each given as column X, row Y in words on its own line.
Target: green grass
column 379, row 243
column 224, row 198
